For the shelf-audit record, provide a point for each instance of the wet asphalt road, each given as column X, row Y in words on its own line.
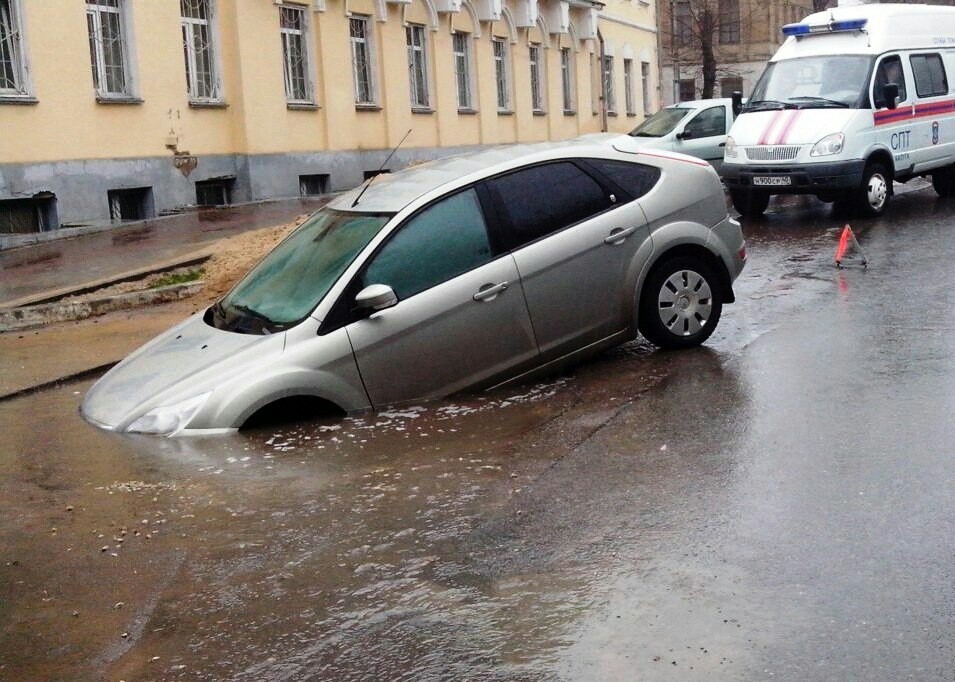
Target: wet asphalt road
column 777, row 504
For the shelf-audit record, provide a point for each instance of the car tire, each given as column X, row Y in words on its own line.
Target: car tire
column 749, row 204
column 681, row 303
column 943, row 180
column 872, row 197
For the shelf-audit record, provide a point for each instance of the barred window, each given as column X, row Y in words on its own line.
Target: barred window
column 417, row 66
column 108, row 50
column 198, row 46
column 461, row 46
column 294, row 30
column 360, row 35
column 13, row 80
column 537, row 94
column 501, row 75
column 567, row 77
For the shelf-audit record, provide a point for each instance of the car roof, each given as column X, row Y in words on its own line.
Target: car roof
column 391, row 192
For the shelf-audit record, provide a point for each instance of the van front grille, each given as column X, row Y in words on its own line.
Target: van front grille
column 772, row 153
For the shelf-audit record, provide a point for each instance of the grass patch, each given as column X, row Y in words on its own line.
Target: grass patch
column 178, row 278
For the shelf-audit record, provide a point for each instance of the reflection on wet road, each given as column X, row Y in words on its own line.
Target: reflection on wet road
column 774, row 504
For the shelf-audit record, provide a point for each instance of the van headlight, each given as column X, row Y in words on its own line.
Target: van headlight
column 169, row 420
column 829, row 145
column 730, row 151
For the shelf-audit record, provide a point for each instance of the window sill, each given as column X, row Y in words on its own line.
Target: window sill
column 538, row 112
column 367, row 106
column 569, row 112
column 631, row 114
column 612, row 114
column 18, row 99
column 118, row 100
column 208, row 104
column 467, row 112
column 301, row 106
column 422, row 110
column 502, row 112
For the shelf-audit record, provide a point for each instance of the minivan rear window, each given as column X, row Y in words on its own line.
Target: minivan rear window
column 929, row 72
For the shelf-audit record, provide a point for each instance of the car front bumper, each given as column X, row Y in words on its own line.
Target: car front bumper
column 803, row 178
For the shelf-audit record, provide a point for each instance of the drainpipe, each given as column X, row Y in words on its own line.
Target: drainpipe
column 603, row 84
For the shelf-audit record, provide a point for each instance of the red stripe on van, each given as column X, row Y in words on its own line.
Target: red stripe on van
column 769, row 128
column 902, row 114
column 784, row 133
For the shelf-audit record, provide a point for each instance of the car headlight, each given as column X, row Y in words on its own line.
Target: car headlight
column 829, row 145
column 168, row 420
column 729, row 151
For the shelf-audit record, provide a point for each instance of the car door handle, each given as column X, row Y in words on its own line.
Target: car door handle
column 722, row 144
column 619, row 234
column 490, row 291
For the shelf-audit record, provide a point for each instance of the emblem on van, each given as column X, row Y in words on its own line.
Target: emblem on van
column 935, row 132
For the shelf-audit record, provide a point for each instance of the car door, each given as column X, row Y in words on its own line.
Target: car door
column 460, row 321
column 704, row 135
column 893, row 127
column 573, row 240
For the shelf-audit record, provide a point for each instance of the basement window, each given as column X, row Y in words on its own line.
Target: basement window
column 313, row 185
column 131, row 204
column 217, row 192
column 24, row 216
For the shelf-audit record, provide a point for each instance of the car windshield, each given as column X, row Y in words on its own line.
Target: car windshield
column 293, row 278
column 812, row 82
column 660, row 123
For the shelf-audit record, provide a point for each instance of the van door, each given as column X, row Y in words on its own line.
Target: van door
column 893, row 127
column 932, row 131
column 704, row 135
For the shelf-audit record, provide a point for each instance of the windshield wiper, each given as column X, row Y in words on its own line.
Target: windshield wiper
column 823, row 100
column 642, row 135
column 768, row 104
column 253, row 313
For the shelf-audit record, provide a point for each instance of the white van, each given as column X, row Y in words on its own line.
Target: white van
column 855, row 98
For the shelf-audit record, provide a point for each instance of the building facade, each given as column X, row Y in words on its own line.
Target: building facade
column 126, row 109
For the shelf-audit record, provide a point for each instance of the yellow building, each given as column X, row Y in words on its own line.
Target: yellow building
column 124, row 109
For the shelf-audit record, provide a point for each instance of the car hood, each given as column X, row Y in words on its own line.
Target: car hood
column 141, row 381
column 789, row 126
column 627, row 143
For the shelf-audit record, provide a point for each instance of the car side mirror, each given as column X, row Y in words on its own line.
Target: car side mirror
column 890, row 92
column 373, row 298
column 685, row 135
column 737, row 102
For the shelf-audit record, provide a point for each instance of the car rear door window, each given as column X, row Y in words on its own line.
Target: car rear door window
column 929, row 73
column 540, row 200
column 634, row 178
column 439, row 243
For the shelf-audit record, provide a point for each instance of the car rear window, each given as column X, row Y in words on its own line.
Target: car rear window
column 634, row 178
column 929, row 75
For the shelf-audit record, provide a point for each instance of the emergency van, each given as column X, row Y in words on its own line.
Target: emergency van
column 856, row 97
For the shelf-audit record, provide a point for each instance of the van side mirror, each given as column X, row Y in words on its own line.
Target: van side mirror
column 373, row 298
column 685, row 135
column 890, row 92
column 737, row 103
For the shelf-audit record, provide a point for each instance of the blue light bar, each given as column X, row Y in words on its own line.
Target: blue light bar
column 795, row 29
column 832, row 27
column 849, row 25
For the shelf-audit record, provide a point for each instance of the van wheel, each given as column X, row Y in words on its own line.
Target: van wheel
column 680, row 304
column 873, row 196
column 749, row 204
column 943, row 180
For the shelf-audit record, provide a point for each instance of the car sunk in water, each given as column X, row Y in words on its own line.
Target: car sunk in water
column 461, row 274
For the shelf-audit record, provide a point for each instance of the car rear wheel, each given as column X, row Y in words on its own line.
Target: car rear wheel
column 873, row 196
column 749, row 204
column 943, row 180
column 681, row 303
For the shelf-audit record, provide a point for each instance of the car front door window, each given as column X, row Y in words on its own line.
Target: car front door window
column 708, row 123
column 889, row 71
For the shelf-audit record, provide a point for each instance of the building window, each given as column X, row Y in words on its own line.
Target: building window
column 313, row 185
column 687, row 90
column 682, row 23
column 501, row 75
column 610, row 96
column 730, row 85
column 729, row 22
column 461, row 44
column 131, row 204
column 294, row 29
column 567, row 78
column 417, row 67
column 537, row 80
column 108, row 48
column 216, row 192
column 13, row 77
column 198, row 44
column 23, row 216
column 645, row 85
column 361, row 55
column 628, row 87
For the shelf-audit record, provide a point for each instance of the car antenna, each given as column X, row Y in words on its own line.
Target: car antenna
column 378, row 172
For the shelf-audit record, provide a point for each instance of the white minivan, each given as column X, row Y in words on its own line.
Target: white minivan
column 856, row 98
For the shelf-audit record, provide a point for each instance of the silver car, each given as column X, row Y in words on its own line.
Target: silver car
column 461, row 274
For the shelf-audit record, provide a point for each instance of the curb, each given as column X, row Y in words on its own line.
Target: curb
column 76, row 376
column 25, row 317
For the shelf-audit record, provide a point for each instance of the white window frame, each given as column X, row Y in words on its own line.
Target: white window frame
column 538, row 73
column 502, row 74
column 371, row 72
column 463, row 59
column 305, row 34
column 190, row 27
column 645, row 85
column 568, row 81
column 609, row 92
column 628, row 87
column 16, row 45
column 416, row 40
column 95, row 9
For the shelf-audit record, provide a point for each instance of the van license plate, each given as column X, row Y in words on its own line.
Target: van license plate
column 772, row 180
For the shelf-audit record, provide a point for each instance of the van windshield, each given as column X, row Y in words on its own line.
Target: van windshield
column 289, row 282
column 660, row 123
column 812, row 82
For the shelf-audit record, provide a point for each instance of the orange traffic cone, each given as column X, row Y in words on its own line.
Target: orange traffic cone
column 848, row 241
